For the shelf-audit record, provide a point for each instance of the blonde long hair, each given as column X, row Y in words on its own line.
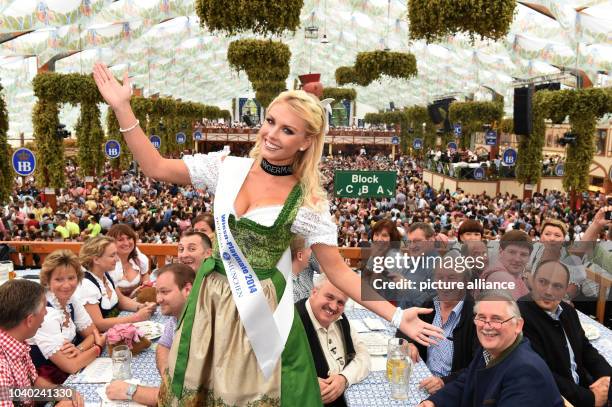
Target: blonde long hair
column 306, row 164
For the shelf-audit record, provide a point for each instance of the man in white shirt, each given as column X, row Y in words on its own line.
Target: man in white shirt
column 341, row 358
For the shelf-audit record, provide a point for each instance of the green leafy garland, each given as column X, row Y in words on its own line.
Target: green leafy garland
column 6, row 172
column 90, row 140
column 473, row 115
column 348, row 74
column 507, row 125
column 584, row 107
column 52, row 89
column 260, row 16
column 487, row 19
column 339, row 94
column 50, row 163
column 266, row 64
column 370, row 66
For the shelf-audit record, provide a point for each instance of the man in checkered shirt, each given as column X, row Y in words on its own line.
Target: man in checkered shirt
column 23, row 309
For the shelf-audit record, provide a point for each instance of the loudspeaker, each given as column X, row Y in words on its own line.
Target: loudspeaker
column 523, row 114
column 247, row 120
column 434, row 113
column 392, row 106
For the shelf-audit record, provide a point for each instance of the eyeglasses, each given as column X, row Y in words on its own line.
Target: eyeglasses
column 493, row 324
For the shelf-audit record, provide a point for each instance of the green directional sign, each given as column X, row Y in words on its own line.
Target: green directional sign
column 365, row 184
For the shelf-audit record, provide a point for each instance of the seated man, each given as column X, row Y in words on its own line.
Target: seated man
column 340, row 357
column 302, row 274
column 193, row 248
column 453, row 312
column 173, row 285
column 555, row 333
column 507, row 372
column 23, row 306
column 514, row 250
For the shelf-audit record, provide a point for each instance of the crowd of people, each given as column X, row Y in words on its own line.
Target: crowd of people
column 527, row 338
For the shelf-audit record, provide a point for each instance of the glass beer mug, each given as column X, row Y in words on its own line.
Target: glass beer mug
column 399, row 368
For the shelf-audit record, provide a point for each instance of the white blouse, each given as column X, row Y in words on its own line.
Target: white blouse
column 314, row 226
column 119, row 278
column 88, row 293
column 52, row 333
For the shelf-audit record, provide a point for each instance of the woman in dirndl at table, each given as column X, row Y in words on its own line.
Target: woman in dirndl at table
column 239, row 342
column 97, row 291
column 67, row 340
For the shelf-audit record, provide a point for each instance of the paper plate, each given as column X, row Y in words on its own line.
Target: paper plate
column 151, row 329
column 591, row 331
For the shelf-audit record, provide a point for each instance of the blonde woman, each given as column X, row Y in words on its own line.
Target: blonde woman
column 228, row 335
column 97, row 290
column 67, row 340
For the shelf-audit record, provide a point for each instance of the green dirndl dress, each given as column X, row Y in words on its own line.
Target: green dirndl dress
column 211, row 362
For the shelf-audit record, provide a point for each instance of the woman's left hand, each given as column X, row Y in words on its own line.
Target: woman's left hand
column 419, row 330
column 69, row 350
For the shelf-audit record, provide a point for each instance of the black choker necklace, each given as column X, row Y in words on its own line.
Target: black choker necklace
column 279, row 170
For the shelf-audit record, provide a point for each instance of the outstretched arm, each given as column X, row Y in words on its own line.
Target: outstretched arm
column 151, row 162
column 343, row 277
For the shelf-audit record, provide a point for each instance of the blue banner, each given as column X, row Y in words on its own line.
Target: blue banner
column 491, row 137
column 560, row 170
column 180, row 138
column 417, row 144
column 112, row 149
column 509, row 157
column 24, row 162
column 197, row 136
column 479, row 173
column 156, row 141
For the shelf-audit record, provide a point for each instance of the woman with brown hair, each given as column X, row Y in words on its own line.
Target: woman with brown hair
column 67, row 340
column 97, row 290
column 132, row 269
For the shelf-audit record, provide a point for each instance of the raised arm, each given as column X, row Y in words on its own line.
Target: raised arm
column 347, row 281
column 151, row 162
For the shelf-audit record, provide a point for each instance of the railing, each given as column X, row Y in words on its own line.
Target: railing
column 489, row 173
column 159, row 254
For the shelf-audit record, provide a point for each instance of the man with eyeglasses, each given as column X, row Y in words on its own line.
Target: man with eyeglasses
column 506, row 371
column 555, row 333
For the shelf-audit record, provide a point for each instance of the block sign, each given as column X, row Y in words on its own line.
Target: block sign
column 24, row 162
column 365, row 184
column 112, row 149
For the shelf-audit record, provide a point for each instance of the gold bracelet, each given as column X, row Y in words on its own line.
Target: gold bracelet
column 130, row 128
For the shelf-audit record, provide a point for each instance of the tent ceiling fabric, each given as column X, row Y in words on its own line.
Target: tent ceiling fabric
column 165, row 50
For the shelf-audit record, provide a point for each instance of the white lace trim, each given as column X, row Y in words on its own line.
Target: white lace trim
column 203, row 170
column 316, row 227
